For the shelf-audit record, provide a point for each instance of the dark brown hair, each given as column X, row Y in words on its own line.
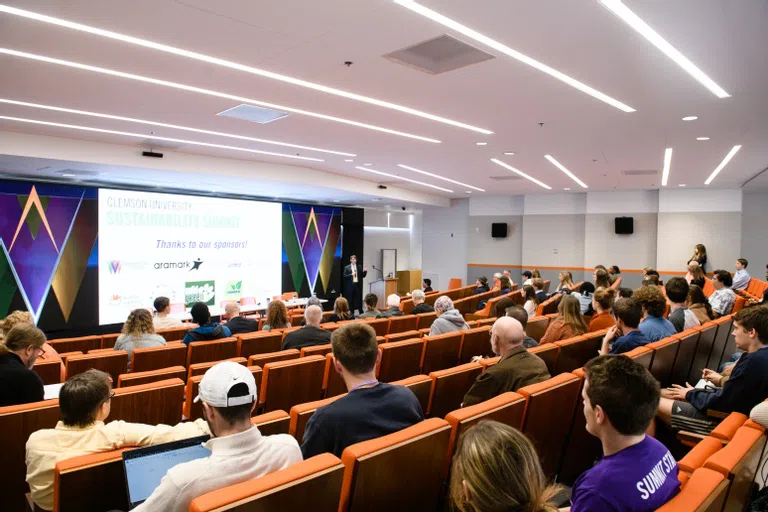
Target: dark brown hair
column 82, row 395
column 677, row 289
column 371, row 300
column 651, row 298
column 354, row 345
column 628, row 311
column 696, row 296
column 341, row 308
column 277, row 315
column 754, row 318
column 724, row 277
column 602, row 279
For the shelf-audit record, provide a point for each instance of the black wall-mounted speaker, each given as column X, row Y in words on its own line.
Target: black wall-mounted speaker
column 625, row 225
column 499, row 230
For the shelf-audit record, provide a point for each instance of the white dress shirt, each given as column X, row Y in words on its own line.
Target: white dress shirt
column 740, row 280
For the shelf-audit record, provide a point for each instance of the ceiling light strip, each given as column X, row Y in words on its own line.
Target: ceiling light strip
column 155, row 137
column 166, row 125
column 725, row 161
column 667, row 165
column 566, row 171
column 458, row 27
column 425, row 173
column 234, row 65
column 394, row 176
column 645, row 30
column 521, row 173
column 208, row 92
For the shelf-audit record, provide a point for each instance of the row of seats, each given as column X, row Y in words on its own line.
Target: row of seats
column 755, row 289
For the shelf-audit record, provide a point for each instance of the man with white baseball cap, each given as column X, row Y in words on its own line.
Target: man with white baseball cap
column 238, row 450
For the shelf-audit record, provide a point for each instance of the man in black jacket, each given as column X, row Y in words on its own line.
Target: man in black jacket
column 685, row 408
column 19, row 384
column 419, row 306
column 353, row 284
column 238, row 324
column 309, row 335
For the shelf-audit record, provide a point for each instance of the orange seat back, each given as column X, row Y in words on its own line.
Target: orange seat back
column 476, row 342
column 201, row 368
column 664, row 354
column 407, row 335
column 642, row 355
column 704, row 492
column 271, row 423
column 114, row 362
column 441, row 351
column 156, row 358
column 333, row 384
column 292, row 382
column 273, row 357
column 449, row 387
column 90, row 482
column 454, row 283
column 153, row 403
column 301, row 413
column 536, row 327
column 402, row 323
column 548, row 353
column 82, row 343
column 400, row 360
column 49, row 370
column 138, row 378
column 426, row 320
column 216, row 350
column 315, row 350
column 689, row 341
column 421, row 386
column 260, row 342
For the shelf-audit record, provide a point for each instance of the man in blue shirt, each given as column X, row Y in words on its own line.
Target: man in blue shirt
column 206, row 330
column 741, row 278
column 627, row 313
column 654, row 326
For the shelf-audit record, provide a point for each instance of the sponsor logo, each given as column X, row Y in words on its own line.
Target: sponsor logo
column 200, row 291
column 178, row 265
column 196, row 264
column 115, row 267
column 125, row 301
column 233, row 290
column 235, row 264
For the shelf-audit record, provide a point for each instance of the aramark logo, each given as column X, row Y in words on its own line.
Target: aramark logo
column 179, row 265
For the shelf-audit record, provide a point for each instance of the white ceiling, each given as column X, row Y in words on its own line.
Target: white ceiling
column 311, row 40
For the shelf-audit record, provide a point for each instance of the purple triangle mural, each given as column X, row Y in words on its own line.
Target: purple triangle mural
column 312, row 231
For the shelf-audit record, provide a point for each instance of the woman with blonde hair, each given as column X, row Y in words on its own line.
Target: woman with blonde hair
column 340, row 311
column 138, row 332
column 602, row 303
column 700, row 257
column 496, row 469
column 531, row 301
column 566, row 281
column 695, row 275
column 277, row 316
column 535, row 274
column 602, row 279
column 19, row 384
column 568, row 323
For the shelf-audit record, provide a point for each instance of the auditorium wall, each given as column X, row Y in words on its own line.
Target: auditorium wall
column 754, row 232
column 385, row 230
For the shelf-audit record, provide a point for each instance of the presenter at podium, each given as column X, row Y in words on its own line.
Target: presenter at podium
column 353, row 284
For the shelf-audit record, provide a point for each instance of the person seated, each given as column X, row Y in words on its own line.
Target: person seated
column 527, row 277
column 309, row 335
column 531, row 303
column 759, row 414
column 615, row 272
column 518, row 313
column 277, row 316
column 496, row 468
column 371, row 301
column 584, row 296
column 602, row 302
column 685, row 408
column 699, row 305
column 695, row 275
column 637, row 473
column 505, row 284
column 677, row 294
column 538, row 287
column 340, row 311
column 419, row 306
column 162, row 319
column 370, row 409
column 84, row 405
column 516, row 368
column 207, row 329
column 239, row 451
column 481, row 285
column 138, row 332
column 15, row 318
column 625, row 293
column 654, row 326
column 448, row 319
column 239, row 324
column 496, row 281
column 601, row 279
column 427, row 285
column 741, row 277
column 724, row 298
column 19, row 383
column 566, row 281
column 393, row 307
column 625, row 335
column 568, row 322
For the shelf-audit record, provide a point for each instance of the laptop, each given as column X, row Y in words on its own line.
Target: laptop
column 145, row 467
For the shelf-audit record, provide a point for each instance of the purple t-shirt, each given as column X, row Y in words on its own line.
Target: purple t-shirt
column 640, row 478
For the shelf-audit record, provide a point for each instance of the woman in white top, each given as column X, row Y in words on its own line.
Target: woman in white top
column 138, row 332
column 531, row 302
column 566, row 281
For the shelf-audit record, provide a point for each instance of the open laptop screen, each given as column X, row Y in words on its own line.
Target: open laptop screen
column 145, row 467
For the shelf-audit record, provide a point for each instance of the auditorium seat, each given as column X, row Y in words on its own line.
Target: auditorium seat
column 176, row 333
column 201, row 368
column 109, row 340
column 549, row 306
column 449, row 387
column 738, row 304
column 582, row 449
column 642, row 355
column 316, row 350
column 689, row 341
column 726, row 429
column 708, row 289
column 90, row 482
column 296, row 320
column 440, row 351
column 420, row 385
column 698, row 455
column 153, row 403
column 486, row 322
column 333, row 384
column 454, row 283
column 260, row 342
column 301, row 413
column 402, row 323
column 273, row 357
column 406, row 335
column 724, row 325
column 704, row 492
column 83, row 344
column 317, row 480
column 115, row 362
column 548, row 353
column 548, row 403
column 536, row 327
column 707, row 333
column 192, row 410
column 17, row 423
column 738, row 462
column 381, row 326
column 157, row 358
column 489, row 361
column 287, row 383
column 400, row 471
column 216, row 350
column 138, row 378
column 664, row 354
column 271, row 423
column 400, row 360
column 426, row 320
column 476, row 342
column 575, row 352
column 49, row 370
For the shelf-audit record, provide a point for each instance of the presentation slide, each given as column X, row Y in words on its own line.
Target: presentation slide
column 186, row 248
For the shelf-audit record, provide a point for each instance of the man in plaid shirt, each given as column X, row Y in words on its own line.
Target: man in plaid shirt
column 723, row 299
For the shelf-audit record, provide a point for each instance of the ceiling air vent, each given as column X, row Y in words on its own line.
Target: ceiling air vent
column 505, row 178
column 640, row 172
column 439, row 55
column 253, row 114
column 160, row 144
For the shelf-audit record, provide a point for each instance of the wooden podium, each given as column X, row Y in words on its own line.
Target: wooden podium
column 408, row 280
column 382, row 289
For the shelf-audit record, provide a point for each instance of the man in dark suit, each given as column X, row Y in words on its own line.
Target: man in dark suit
column 236, row 323
column 309, row 335
column 516, row 368
column 353, row 283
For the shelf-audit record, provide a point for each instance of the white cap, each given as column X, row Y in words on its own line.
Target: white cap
column 218, row 380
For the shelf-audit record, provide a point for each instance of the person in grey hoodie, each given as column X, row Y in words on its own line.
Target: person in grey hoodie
column 448, row 318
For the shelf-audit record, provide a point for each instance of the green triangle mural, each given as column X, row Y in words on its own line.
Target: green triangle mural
column 8, row 286
column 293, row 251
